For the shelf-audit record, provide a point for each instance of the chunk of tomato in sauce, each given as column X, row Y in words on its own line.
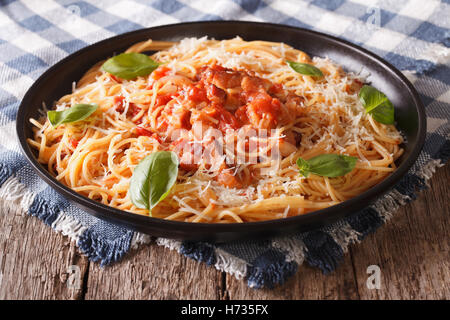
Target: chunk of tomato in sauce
column 133, row 110
column 140, row 131
column 160, row 72
column 74, row 142
column 221, row 77
column 215, row 94
column 181, row 119
column 114, row 78
column 118, row 103
column 228, row 179
column 162, row 100
column 226, row 119
column 261, row 111
column 275, row 88
column 194, row 93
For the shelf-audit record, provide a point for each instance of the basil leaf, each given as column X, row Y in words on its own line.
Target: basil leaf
column 153, row 178
column 384, row 113
column 304, row 68
column 377, row 104
column 75, row 113
column 130, row 65
column 304, row 167
column 327, row 165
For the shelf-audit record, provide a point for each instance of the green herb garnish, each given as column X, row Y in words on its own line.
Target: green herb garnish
column 129, row 66
column 305, row 69
column 377, row 104
column 327, row 165
column 153, row 178
column 75, row 113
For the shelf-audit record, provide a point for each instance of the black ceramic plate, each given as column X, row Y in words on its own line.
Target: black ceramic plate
column 409, row 114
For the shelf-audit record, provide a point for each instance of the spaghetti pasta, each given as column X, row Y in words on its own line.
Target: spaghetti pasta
column 239, row 93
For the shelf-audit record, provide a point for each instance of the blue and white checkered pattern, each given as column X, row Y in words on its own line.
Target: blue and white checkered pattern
column 413, row 35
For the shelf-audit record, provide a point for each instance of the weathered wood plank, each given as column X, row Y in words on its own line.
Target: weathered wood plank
column 308, row 283
column 35, row 261
column 412, row 250
column 154, row 272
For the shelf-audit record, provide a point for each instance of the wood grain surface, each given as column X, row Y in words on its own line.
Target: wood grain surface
column 412, row 252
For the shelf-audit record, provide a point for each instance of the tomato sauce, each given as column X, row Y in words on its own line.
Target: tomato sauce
column 114, row 78
column 218, row 97
column 140, row 131
column 160, row 72
column 74, row 142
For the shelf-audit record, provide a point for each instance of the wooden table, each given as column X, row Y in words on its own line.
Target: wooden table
column 412, row 251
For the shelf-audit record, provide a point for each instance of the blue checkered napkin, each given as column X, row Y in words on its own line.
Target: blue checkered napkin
column 412, row 35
